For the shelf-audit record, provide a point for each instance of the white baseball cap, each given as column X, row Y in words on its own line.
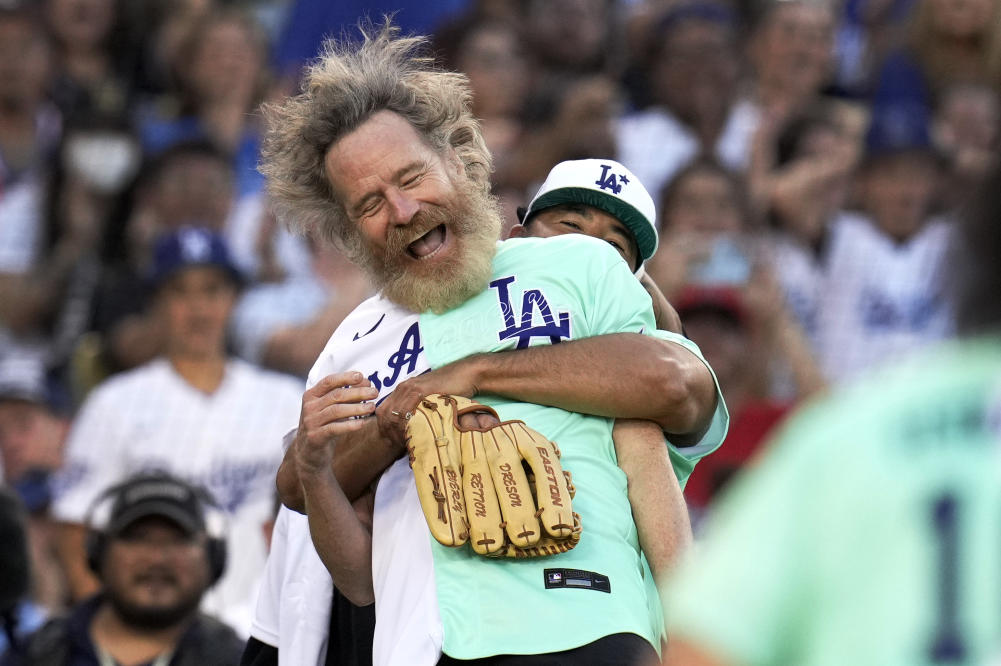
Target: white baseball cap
column 608, row 186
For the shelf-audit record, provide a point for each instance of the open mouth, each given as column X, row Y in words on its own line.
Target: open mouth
column 429, row 244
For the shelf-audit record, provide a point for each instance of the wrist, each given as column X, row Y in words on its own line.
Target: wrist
column 480, row 374
column 313, row 476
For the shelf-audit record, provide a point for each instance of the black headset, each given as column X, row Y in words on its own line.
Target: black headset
column 214, row 520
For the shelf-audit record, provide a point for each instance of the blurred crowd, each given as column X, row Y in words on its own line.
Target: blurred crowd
column 808, row 158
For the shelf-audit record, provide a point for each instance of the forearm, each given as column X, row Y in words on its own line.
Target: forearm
column 658, row 506
column 342, row 540
column 623, row 375
column 358, row 460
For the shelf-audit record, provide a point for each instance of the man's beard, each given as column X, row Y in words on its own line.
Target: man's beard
column 154, row 618
column 473, row 221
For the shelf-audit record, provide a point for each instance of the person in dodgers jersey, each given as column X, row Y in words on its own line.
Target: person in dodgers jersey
column 194, row 412
column 869, row 533
column 414, row 192
column 570, row 201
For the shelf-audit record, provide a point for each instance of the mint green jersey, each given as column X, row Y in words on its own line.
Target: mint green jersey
column 545, row 291
column 869, row 534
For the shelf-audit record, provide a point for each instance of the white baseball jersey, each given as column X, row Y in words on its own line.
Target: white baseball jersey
column 655, row 145
column 882, row 299
column 382, row 341
column 151, row 418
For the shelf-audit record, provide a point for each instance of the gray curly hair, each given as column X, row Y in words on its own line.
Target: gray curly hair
column 349, row 83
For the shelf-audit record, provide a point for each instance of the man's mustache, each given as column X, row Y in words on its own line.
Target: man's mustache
column 156, row 575
column 398, row 239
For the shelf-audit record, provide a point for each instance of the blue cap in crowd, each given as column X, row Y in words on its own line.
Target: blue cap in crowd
column 187, row 247
column 896, row 128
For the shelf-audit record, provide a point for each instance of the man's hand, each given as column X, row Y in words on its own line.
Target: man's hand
column 458, row 378
column 327, row 412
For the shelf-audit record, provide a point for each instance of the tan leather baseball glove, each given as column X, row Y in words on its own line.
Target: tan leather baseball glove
column 501, row 488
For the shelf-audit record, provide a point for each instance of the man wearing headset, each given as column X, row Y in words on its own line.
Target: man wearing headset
column 155, row 546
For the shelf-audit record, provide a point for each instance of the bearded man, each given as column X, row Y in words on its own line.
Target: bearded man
column 381, row 154
column 156, row 544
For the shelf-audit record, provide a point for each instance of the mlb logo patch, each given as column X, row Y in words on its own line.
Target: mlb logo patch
column 554, row 577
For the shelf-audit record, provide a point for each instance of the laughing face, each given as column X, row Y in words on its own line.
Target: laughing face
column 427, row 232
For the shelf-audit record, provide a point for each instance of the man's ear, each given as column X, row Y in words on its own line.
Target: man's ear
column 518, row 231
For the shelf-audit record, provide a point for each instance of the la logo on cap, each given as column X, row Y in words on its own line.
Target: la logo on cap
column 611, row 181
column 195, row 245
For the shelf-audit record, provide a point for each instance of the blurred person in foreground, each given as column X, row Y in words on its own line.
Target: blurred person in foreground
column 820, row 556
column 155, row 552
column 194, row 411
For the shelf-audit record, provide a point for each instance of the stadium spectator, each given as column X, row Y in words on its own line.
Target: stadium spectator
column 93, row 65
column 791, row 49
column 884, row 295
column 565, row 118
column 221, row 75
column 491, row 53
column 867, row 31
column 190, row 184
column 704, row 221
column 192, row 411
column 86, row 195
column 30, row 127
column 285, row 325
column 34, row 420
column 571, row 37
column 691, row 71
column 155, row 552
column 966, row 131
column 949, row 43
column 803, row 182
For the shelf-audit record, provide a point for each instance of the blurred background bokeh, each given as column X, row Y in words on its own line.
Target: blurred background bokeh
column 808, row 159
